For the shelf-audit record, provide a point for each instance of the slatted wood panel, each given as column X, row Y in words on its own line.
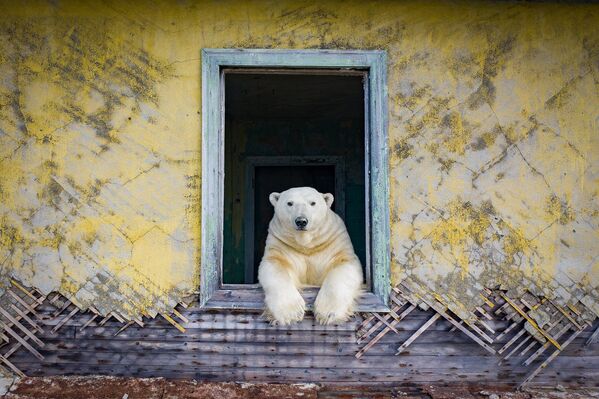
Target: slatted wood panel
column 241, row 345
column 253, row 299
column 515, row 339
column 20, row 324
column 26, row 315
column 532, row 327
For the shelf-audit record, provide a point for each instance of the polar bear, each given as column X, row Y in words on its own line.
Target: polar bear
column 308, row 244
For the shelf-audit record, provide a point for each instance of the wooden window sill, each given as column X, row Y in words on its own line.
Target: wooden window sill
column 251, row 298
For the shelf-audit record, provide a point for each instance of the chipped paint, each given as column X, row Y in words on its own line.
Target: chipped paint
column 492, row 127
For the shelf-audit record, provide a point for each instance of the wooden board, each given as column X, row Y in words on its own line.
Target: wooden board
column 242, row 346
column 253, row 299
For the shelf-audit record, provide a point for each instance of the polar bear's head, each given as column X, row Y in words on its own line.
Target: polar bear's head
column 301, row 208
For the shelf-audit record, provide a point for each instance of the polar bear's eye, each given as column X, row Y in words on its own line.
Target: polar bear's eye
column 290, row 203
column 312, row 203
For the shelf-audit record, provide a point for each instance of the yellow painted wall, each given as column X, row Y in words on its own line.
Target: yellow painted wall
column 493, row 126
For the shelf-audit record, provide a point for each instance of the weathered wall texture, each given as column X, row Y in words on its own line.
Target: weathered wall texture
column 493, row 125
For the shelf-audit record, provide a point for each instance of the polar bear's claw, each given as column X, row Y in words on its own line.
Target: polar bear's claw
column 285, row 311
column 331, row 318
column 331, row 311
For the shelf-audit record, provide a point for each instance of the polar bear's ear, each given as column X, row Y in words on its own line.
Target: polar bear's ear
column 328, row 198
column 274, row 197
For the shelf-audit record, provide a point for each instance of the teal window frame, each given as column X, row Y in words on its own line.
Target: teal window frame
column 212, row 292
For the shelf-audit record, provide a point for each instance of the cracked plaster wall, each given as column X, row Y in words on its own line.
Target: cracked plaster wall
column 493, row 136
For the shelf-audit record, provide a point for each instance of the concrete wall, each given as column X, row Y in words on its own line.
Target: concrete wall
column 493, row 130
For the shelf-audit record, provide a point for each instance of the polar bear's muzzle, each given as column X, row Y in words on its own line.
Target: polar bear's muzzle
column 301, row 223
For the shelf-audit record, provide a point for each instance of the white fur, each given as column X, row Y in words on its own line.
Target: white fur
column 321, row 255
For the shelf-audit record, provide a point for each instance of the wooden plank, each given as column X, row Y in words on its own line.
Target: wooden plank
column 511, row 341
column 398, row 303
column 567, row 315
column 506, row 331
column 64, row 307
column 525, row 340
column 288, row 363
column 410, row 323
column 502, row 308
column 24, row 316
column 30, row 309
column 171, row 334
column 105, row 319
column 487, row 327
column 439, row 338
column 11, row 366
column 529, row 347
column 173, row 322
column 368, row 324
column 21, row 340
column 261, row 374
column 295, row 71
column 129, row 324
column 543, row 347
column 282, row 361
column 246, row 323
column 65, row 319
column 314, row 374
column 479, row 331
column 417, row 333
column 253, row 300
column 15, row 348
column 489, row 303
column 393, row 323
column 271, row 348
column 233, row 319
column 245, row 320
column 531, row 321
column 460, row 327
column 87, row 323
column 167, row 332
column 593, row 338
column 536, row 371
column 484, row 313
column 180, row 316
column 21, row 327
column 385, row 322
column 378, row 176
column 212, row 178
column 27, row 292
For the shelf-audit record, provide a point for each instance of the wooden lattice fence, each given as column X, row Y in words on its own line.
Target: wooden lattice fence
column 532, row 329
column 532, row 325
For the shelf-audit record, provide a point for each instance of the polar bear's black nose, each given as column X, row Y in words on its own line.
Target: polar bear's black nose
column 301, row 222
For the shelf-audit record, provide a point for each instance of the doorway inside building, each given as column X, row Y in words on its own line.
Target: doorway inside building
column 283, row 129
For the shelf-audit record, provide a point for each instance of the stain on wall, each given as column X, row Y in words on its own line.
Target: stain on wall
column 493, row 137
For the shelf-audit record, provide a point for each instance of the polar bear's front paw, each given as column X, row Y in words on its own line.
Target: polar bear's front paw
column 286, row 308
column 329, row 310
